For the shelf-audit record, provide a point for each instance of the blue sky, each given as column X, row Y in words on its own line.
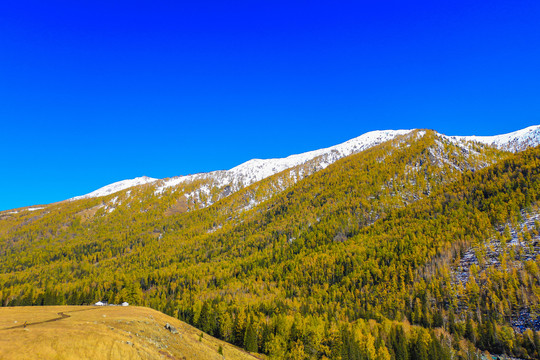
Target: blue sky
column 93, row 92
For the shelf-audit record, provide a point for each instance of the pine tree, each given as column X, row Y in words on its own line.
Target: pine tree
column 469, row 330
column 226, row 330
column 398, row 343
column 419, row 347
column 239, row 327
column 206, row 322
column 250, row 337
column 297, row 351
column 267, row 337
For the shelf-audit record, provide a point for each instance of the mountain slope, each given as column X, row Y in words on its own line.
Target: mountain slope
column 415, row 165
column 226, row 260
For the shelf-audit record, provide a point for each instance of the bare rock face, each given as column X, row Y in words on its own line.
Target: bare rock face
column 171, row 328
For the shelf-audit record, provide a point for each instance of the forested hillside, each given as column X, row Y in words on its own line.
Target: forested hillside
column 360, row 260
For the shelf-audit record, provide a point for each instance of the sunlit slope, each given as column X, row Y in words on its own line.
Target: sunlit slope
column 84, row 248
column 369, row 237
column 91, row 332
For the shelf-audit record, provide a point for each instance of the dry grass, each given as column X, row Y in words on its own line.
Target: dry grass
column 180, row 207
column 110, row 332
column 88, row 214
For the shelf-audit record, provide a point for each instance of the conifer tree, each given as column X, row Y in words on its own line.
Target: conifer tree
column 250, row 337
column 398, row 343
column 240, row 327
column 206, row 322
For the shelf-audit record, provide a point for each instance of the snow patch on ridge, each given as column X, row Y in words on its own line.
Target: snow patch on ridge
column 514, row 141
column 117, row 186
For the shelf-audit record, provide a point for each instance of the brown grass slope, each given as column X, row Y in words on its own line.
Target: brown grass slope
column 109, row 332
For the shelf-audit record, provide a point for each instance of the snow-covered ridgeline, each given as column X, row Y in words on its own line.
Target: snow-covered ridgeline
column 257, row 169
column 117, row 186
column 514, row 141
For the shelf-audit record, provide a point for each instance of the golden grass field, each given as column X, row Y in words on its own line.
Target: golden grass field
column 103, row 332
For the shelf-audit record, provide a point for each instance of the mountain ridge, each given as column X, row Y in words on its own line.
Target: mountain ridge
column 255, row 170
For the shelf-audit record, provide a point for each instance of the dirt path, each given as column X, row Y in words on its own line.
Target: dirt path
column 62, row 314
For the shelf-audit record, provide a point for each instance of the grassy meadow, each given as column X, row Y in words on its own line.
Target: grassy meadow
column 109, row 332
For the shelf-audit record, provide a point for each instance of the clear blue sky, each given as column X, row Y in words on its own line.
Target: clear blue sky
column 94, row 92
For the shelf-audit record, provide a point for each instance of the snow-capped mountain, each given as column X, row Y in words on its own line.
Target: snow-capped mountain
column 255, row 170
